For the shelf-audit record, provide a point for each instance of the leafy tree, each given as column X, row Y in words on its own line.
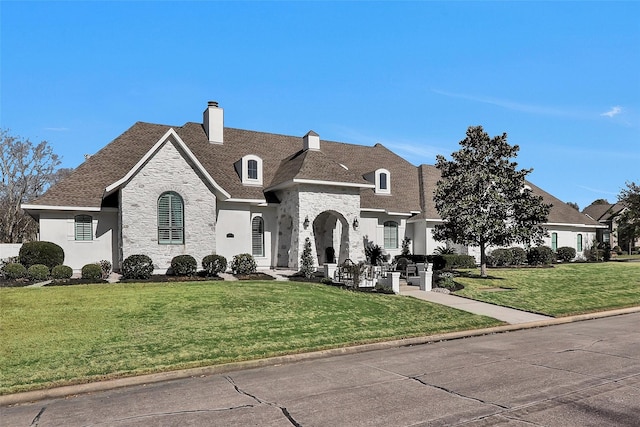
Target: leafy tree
column 629, row 220
column 483, row 199
column 574, row 205
column 27, row 171
column 600, row 202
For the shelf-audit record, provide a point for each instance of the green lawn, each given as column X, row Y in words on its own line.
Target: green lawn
column 563, row 290
column 61, row 335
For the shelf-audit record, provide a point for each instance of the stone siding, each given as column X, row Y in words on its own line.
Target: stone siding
column 167, row 170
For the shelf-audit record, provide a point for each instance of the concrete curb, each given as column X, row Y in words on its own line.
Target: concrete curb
column 71, row 390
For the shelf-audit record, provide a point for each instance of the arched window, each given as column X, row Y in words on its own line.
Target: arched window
column 391, row 235
column 170, row 219
column 579, row 245
column 257, row 236
column 383, row 181
column 554, row 241
column 252, row 169
column 83, row 227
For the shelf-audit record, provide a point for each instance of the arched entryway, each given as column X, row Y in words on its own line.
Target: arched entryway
column 331, row 234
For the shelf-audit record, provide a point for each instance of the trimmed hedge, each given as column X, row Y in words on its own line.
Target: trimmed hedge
column 441, row 262
column 500, row 257
column 243, row 264
column 184, row 265
column 137, row 267
column 214, row 264
column 92, row 272
column 566, row 253
column 38, row 272
column 519, row 255
column 13, row 271
column 541, row 255
column 47, row 253
column 61, row 272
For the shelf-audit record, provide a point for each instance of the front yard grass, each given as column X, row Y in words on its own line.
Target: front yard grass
column 62, row 335
column 563, row 290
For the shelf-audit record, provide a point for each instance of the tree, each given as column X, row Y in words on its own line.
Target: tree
column 600, row 202
column 27, row 171
column 574, row 205
column 483, row 199
column 306, row 260
column 629, row 220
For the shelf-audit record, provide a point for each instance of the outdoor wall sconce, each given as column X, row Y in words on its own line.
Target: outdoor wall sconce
column 306, row 222
column 355, row 223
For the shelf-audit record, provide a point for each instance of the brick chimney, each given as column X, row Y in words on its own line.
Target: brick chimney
column 311, row 141
column 213, row 122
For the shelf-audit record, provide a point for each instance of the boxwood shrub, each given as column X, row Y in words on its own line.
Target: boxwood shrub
column 47, row 253
column 243, row 264
column 61, row 272
column 184, row 265
column 518, row 255
column 137, row 267
column 38, row 272
column 541, row 255
column 214, row 264
column 13, row 271
column 92, row 272
column 500, row 257
column 566, row 253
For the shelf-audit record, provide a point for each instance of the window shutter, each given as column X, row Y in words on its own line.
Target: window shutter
column 170, row 219
column 257, row 237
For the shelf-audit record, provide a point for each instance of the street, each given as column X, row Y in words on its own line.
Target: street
column 577, row 374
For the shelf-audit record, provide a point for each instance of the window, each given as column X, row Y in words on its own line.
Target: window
column 579, row 246
column 170, row 219
column 554, row 241
column 252, row 169
column 383, row 181
column 390, row 235
column 257, row 236
column 83, row 227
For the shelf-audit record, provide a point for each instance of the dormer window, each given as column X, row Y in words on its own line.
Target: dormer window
column 250, row 170
column 383, row 181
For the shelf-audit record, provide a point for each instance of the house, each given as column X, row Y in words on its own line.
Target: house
column 202, row 188
column 608, row 214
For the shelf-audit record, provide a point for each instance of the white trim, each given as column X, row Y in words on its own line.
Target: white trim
column 379, row 190
column 64, row 208
column 260, row 201
column 152, row 151
column 399, row 213
column 425, row 220
column 574, row 225
column 372, row 210
column 318, row 182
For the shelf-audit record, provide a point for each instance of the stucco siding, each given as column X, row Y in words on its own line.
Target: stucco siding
column 59, row 228
column 167, row 170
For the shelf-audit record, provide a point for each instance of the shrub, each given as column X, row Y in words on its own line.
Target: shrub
column 184, row 265
column 92, row 272
column 38, row 272
column 105, row 266
column 500, row 257
column 566, row 253
column 243, row 264
column 518, row 255
column 445, row 280
column 137, row 267
column 46, row 253
column 306, row 259
column 540, row 255
column 61, row 272
column 405, row 246
column 13, row 271
column 375, row 254
column 458, row 261
column 214, row 264
column 443, row 250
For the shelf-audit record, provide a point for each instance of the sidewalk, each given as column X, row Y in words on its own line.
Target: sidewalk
column 509, row 315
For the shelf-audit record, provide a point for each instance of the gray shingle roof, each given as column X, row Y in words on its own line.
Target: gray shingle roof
column 603, row 212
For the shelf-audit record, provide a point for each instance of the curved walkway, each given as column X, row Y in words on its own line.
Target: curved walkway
column 509, row 315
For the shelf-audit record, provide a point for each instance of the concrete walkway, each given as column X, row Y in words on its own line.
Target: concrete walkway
column 509, row 315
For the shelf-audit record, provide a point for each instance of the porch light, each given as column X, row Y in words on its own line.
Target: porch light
column 306, row 222
column 355, row 223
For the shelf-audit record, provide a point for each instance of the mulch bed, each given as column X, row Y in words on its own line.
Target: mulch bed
column 254, row 276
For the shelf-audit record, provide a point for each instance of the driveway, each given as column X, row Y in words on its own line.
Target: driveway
column 577, row 374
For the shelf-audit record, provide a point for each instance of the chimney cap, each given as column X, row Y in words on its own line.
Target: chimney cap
column 212, row 103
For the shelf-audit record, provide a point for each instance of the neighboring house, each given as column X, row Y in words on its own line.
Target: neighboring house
column 202, row 188
column 607, row 214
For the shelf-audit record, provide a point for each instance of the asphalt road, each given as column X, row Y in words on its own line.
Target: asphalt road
column 577, row 374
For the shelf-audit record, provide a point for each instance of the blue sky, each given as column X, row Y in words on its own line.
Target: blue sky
column 562, row 79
